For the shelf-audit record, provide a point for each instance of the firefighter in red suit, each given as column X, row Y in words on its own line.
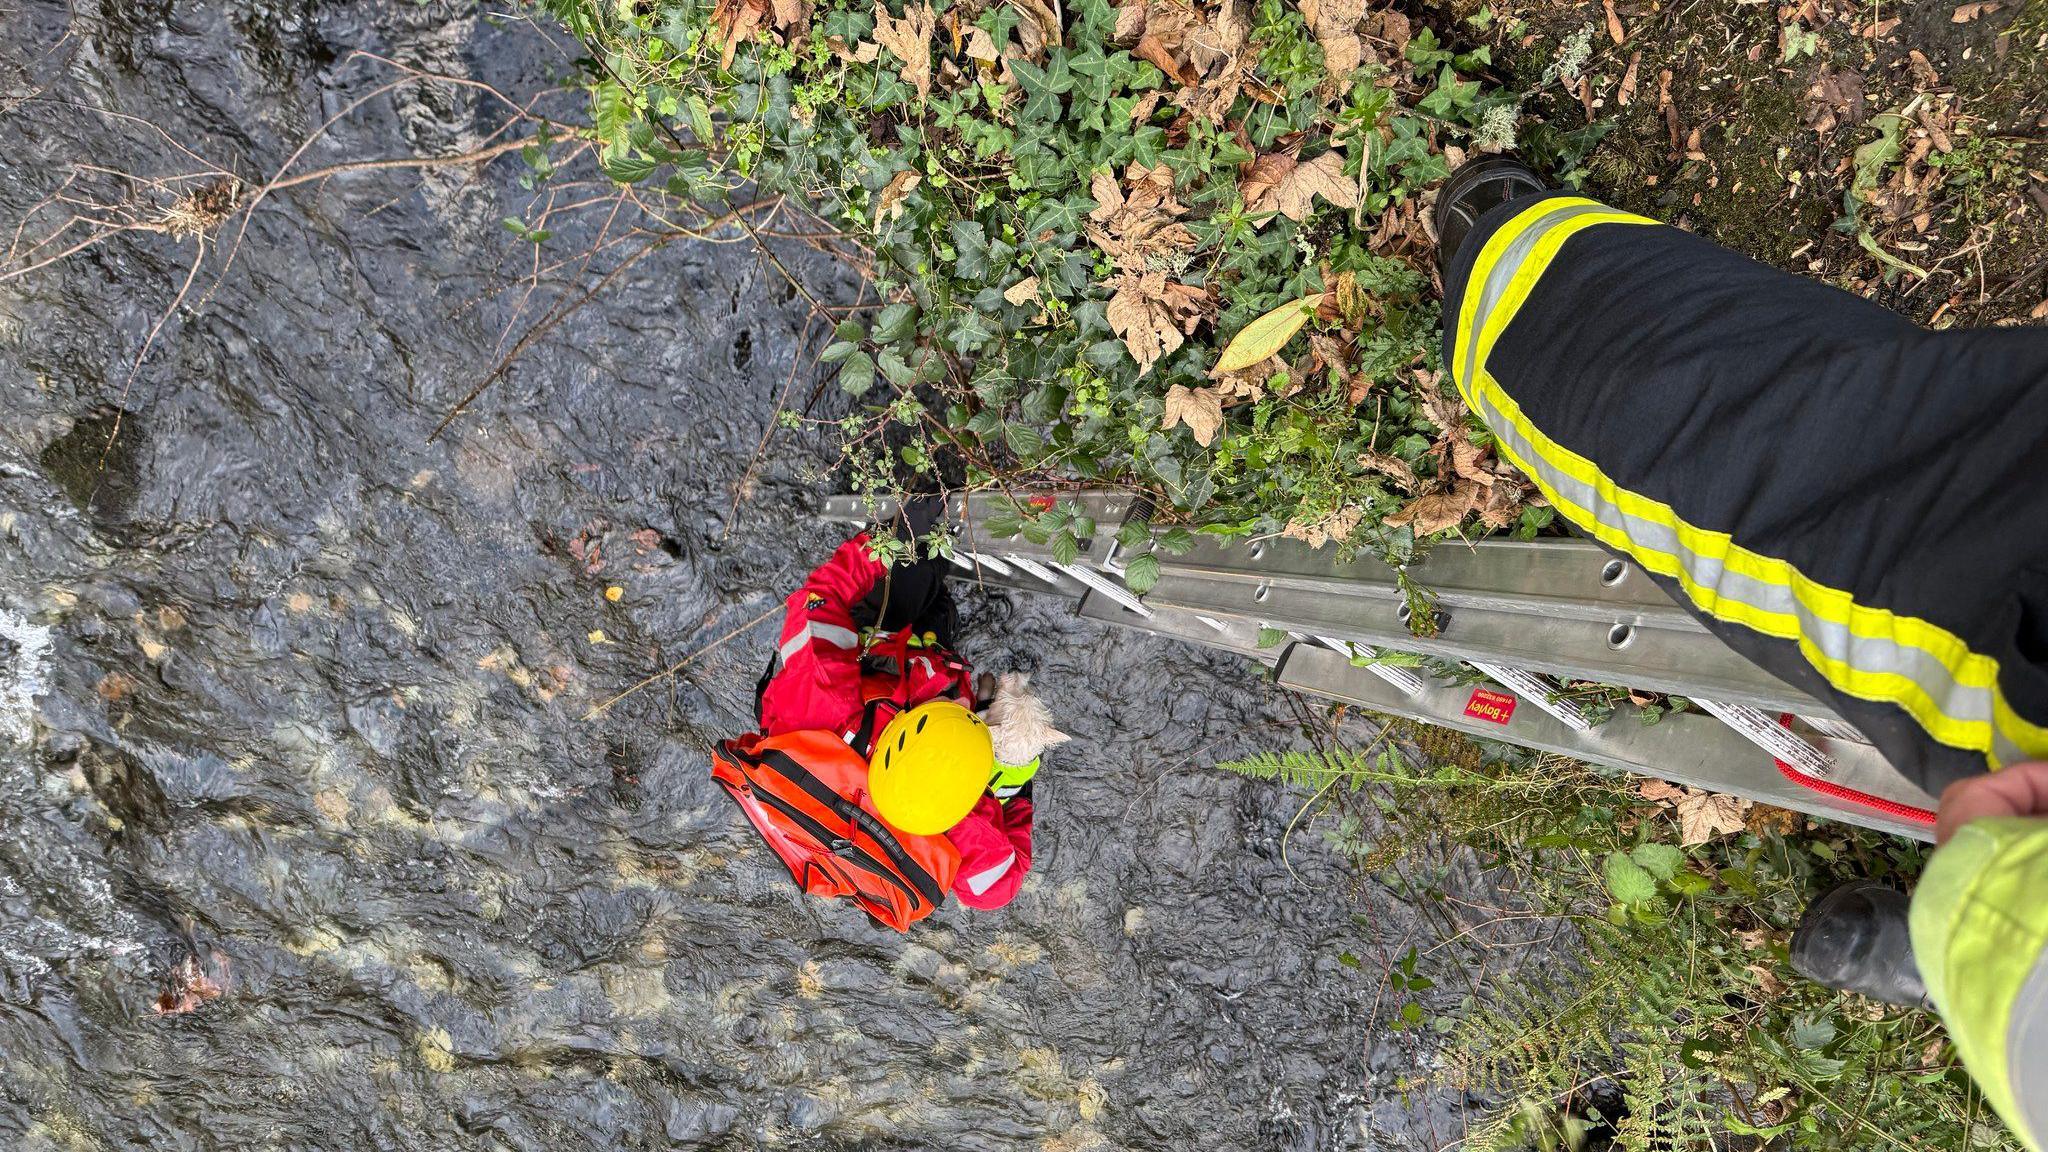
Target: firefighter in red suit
column 862, row 642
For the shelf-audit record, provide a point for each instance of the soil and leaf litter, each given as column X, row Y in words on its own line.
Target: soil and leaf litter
column 1182, row 249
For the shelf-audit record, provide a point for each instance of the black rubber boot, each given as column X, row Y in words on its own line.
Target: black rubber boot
column 1478, row 185
column 1855, row 939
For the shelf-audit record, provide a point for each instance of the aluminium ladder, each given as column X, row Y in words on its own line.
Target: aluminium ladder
column 1524, row 615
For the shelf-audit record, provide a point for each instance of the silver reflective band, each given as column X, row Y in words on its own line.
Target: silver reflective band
column 2026, row 1055
column 1864, row 654
column 831, row 634
column 982, row 881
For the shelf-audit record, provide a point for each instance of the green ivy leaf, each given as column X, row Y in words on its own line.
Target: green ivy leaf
column 1271, row 637
column 896, row 322
column 970, row 246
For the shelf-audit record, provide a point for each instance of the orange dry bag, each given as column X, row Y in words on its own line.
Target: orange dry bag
column 806, row 793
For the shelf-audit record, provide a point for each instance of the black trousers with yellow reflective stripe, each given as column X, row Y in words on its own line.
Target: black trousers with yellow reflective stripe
column 1856, row 503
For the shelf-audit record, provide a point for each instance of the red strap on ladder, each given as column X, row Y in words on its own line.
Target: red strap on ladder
column 1830, row 788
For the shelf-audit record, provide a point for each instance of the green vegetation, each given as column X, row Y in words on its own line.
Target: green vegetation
column 1677, row 1023
column 1067, row 214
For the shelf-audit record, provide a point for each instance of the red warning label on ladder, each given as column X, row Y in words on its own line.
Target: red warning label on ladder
column 1493, row 707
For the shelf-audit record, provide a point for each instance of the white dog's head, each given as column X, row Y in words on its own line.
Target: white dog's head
column 1018, row 721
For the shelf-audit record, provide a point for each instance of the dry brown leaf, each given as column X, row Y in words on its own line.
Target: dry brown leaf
column 1765, row 818
column 1702, row 816
column 1439, row 511
column 909, row 39
column 1968, row 12
column 1394, row 29
column 1130, row 22
column 1157, row 32
column 1134, row 228
column 1392, row 467
column 1627, row 92
column 789, row 14
column 1660, row 790
column 1199, row 409
column 1614, row 29
column 1335, row 24
column 1152, row 315
column 1931, row 118
column 1040, row 26
column 981, row 46
column 1338, row 527
column 2040, row 311
column 733, row 23
column 1265, row 175
column 1469, row 460
column 1836, row 99
column 1249, row 383
column 1767, row 981
column 1214, row 48
column 1154, row 51
column 1502, row 506
column 889, row 205
column 1444, row 410
column 1023, row 292
column 1290, row 188
column 1923, row 72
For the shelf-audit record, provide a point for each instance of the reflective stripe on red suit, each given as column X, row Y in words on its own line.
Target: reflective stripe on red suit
column 820, row 685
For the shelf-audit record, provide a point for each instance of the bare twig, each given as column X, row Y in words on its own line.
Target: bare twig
column 685, row 662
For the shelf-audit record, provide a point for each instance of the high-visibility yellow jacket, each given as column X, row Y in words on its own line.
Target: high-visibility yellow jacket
column 1980, row 936
column 1853, row 502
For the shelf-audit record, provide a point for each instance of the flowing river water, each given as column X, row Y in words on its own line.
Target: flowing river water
column 306, row 842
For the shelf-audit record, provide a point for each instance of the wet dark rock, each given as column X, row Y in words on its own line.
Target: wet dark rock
column 310, row 713
column 96, row 467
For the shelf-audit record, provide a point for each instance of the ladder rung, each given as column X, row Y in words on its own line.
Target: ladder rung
column 1105, row 586
column 1400, row 678
column 1538, row 691
column 976, row 561
column 1770, row 736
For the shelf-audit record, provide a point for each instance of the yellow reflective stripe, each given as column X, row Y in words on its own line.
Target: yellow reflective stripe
column 1491, row 306
column 1490, row 255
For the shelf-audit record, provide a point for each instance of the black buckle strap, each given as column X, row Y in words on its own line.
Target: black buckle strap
column 854, row 815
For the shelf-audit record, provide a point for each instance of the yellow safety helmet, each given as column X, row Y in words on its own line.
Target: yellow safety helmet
column 929, row 766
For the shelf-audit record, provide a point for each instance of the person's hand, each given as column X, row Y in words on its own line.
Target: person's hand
column 2020, row 790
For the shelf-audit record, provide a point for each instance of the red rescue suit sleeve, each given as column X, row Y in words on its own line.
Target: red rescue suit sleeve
column 995, row 852
column 819, row 684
